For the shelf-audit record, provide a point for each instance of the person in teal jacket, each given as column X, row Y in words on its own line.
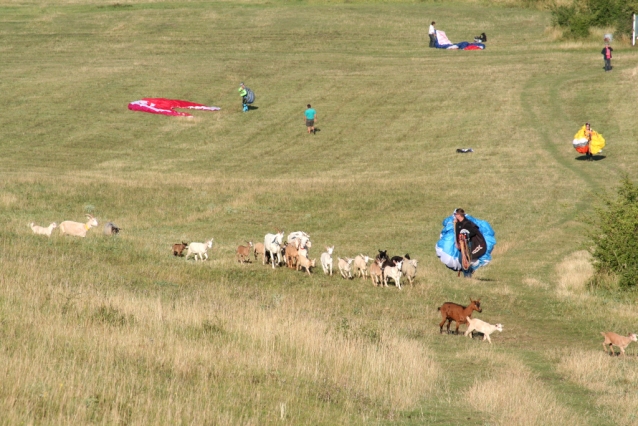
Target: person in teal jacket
column 242, row 92
column 311, row 117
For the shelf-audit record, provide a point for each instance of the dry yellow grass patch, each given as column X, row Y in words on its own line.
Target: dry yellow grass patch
column 534, row 283
column 512, row 395
column 614, row 380
column 573, row 273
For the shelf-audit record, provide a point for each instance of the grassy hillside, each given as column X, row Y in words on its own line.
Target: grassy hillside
column 116, row 330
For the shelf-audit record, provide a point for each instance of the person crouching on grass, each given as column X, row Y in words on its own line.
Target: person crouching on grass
column 311, row 117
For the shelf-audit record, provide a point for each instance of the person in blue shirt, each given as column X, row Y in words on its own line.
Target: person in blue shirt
column 311, row 118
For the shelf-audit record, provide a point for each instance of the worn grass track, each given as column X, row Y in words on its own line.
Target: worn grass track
column 103, row 331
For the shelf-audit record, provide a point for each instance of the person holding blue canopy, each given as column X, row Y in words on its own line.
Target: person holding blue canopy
column 465, row 243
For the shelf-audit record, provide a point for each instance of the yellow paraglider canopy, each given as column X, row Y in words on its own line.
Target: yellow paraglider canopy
column 595, row 146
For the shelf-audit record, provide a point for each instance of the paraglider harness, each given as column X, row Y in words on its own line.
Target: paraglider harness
column 470, row 251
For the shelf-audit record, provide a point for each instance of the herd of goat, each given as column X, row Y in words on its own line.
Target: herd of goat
column 294, row 254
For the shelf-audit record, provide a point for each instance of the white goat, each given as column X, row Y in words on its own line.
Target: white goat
column 408, row 269
column 199, row 249
column 393, row 272
column 300, row 239
column 273, row 244
column 41, row 230
column 475, row 324
column 617, row 340
column 361, row 266
column 326, row 260
column 345, row 267
column 77, row 229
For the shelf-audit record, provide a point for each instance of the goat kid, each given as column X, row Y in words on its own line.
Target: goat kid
column 199, row 249
column 361, row 266
column 111, row 229
column 326, row 260
column 408, row 269
column 376, row 273
column 40, row 230
column 475, row 324
column 393, row 272
column 303, row 262
column 345, row 267
column 77, row 229
column 455, row 312
column 613, row 339
column 178, row 249
column 291, row 254
column 243, row 252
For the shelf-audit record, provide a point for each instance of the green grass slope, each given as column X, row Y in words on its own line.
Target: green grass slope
column 118, row 331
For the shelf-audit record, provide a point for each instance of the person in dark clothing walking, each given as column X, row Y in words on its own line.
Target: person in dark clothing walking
column 471, row 232
column 606, row 52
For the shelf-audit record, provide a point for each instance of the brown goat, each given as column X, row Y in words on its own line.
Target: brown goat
column 617, row 340
column 454, row 312
column 178, row 249
column 291, row 255
column 243, row 252
column 258, row 250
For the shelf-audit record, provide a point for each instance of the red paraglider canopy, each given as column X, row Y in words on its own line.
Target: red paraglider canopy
column 167, row 106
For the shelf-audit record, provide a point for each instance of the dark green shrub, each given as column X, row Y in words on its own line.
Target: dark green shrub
column 583, row 14
column 614, row 235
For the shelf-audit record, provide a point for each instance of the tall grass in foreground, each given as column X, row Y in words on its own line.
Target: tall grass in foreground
column 78, row 355
column 614, row 380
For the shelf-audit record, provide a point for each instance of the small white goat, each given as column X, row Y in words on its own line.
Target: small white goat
column 345, row 267
column 41, row 230
column 77, row 229
column 361, row 266
column 617, row 340
column 199, row 249
column 475, row 324
column 408, row 269
column 393, row 272
column 326, row 260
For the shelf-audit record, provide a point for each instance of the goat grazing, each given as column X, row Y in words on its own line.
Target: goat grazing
column 617, row 340
column 326, row 260
column 178, row 249
column 199, row 249
column 41, row 230
column 361, row 266
column 306, row 263
column 393, row 272
column 291, row 254
column 345, row 267
column 77, row 229
column 409, row 269
column 376, row 274
column 455, row 312
column 475, row 324
column 111, row 229
column 243, row 252
column 272, row 246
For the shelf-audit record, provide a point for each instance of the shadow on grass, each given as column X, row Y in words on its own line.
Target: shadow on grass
column 594, row 158
column 250, row 107
column 485, row 279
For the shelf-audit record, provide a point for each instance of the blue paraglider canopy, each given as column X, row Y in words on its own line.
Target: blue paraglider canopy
column 451, row 256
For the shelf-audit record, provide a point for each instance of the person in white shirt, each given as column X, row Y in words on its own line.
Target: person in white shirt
column 432, row 34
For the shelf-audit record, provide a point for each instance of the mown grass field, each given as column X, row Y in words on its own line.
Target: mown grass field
column 118, row 331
